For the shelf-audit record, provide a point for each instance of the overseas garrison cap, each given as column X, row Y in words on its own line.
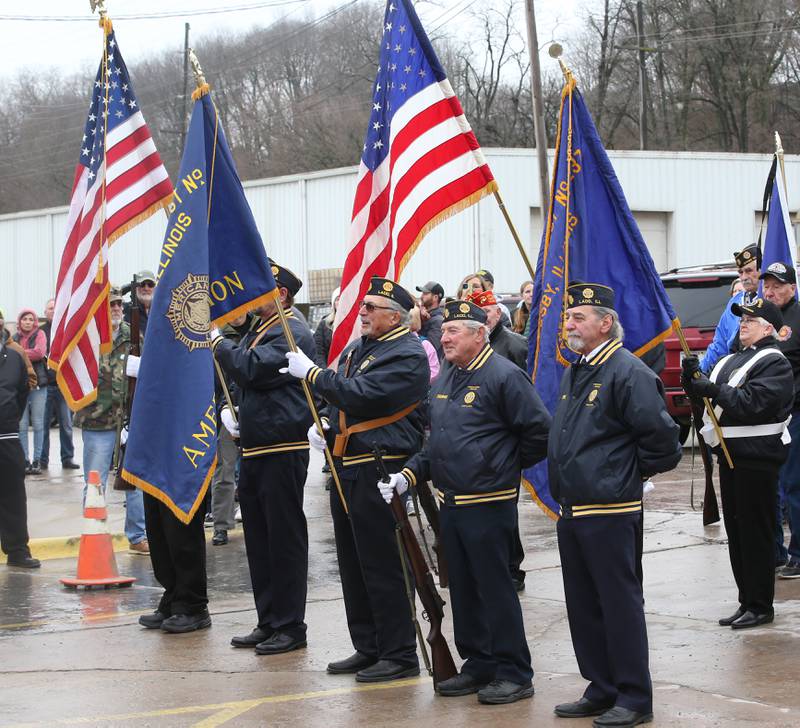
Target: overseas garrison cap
column 464, row 311
column 285, row 278
column 761, row 309
column 781, row 272
column 748, row 255
column 589, row 294
column 115, row 294
column 482, row 298
column 386, row 288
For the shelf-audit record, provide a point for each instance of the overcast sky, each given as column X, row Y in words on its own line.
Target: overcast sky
column 62, row 33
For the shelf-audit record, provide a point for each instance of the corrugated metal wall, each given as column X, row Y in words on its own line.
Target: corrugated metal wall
column 709, row 201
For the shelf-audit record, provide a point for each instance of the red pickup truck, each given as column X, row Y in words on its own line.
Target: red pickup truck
column 698, row 296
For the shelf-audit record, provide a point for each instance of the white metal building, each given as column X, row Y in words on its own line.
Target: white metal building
column 692, row 208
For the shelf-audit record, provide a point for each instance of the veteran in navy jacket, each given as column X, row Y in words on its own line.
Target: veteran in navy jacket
column 373, row 397
column 272, row 424
column 487, row 423
column 753, row 395
column 611, row 431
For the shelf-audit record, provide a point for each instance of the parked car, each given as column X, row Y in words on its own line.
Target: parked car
column 699, row 296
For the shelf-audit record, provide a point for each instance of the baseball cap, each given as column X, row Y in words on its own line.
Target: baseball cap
column 432, row 287
column 761, row 308
column 780, row 271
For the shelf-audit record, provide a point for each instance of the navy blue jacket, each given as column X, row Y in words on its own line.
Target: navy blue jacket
column 273, row 412
column 487, row 424
column 611, row 430
column 376, row 378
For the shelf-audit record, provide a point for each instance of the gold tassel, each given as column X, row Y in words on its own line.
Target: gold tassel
column 202, row 90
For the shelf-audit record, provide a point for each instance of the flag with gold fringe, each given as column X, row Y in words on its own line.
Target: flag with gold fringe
column 591, row 235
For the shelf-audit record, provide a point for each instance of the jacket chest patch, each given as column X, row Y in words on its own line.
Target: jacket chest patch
column 469, row 398
column 364, row 364
column 593, row 394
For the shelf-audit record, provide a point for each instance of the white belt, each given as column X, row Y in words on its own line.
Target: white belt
column 777, row 428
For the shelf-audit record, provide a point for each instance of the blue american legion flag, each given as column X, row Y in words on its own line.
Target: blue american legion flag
column 420, row 164
column 591, row 236
column 213, row 267
column 119, row 181
column 779, row 244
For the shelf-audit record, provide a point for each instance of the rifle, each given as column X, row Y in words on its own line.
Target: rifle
column 119, row 482
column 710, row 505
column 433, row 605
column 428, row 503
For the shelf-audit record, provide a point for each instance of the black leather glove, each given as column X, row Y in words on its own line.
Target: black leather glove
column 702, row 386
column 690, row 365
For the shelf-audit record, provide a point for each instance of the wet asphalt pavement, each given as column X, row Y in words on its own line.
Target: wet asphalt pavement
column 79, row 658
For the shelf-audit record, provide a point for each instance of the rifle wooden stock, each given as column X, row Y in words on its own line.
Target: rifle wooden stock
column 443, row 666
column 428, row 503
column 710, row 505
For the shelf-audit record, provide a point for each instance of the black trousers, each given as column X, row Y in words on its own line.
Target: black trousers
column 487, row 617
column 178, row 555
column 605, row 607
column 276, row 538
column 375, row 601
column 749, row 497
column 517, row 552
column 13, row 501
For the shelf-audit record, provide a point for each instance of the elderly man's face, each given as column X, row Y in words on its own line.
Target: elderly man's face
column 144, row 292
column 585, row 329
column 748, row 275
column 460, row 343
column 377, row 318
column 493, row 315
column 49, row 308
column 753, row 329
column 777, row 292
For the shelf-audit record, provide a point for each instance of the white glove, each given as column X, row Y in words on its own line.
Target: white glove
column 231, row 425
column 648, row 486
column 132, row 365
column 314, row 438
column 213, row 333
column 397, row 482
column 123, row 436
column 299, row 364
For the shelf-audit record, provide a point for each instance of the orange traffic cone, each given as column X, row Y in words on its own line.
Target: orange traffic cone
column 96, row 563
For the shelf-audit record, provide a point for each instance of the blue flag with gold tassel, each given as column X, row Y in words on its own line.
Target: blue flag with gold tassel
column 213, row 268
column 590, row 235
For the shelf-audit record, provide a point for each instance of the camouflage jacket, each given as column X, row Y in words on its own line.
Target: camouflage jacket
column 108, row 410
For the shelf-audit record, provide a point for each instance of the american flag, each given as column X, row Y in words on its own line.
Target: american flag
column 119, row 181
column 420, row 164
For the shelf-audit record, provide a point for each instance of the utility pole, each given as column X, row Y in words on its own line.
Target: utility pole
column 642, row 78
column 538, row 114
column 185, row 85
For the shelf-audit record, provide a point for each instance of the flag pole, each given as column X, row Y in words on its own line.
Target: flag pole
column 514, row 233
column 779, row 155
column 310, row 399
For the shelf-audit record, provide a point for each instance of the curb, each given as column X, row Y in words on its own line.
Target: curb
column 66, row 547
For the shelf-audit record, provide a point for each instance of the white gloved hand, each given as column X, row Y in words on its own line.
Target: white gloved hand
column 214, row 333
column 231, row 425
column 397, row 482
column 132, row 365
column 314, row 439
column 123, row 436
column 299, row 364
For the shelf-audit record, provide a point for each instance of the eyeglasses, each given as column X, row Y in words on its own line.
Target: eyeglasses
column 118, row 304
column 370, row 307
column 146, row 284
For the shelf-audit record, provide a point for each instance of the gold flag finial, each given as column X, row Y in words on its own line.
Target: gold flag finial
column 99, row 6
column 202, row 85
column 555, row 50
column 778, row 145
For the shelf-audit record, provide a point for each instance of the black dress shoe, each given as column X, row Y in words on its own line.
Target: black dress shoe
column 350, row 665
column 581, row 708
column 25, row 561
column 385, row 670
column 499, row 692
column 620, row 717
column 152, row 621
column 69, row 465
column 751, row 619
column 220, row 537
column 279, row 643
column 728, row 621
column 461, row 684
column 180, row 623
column 252, row 639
